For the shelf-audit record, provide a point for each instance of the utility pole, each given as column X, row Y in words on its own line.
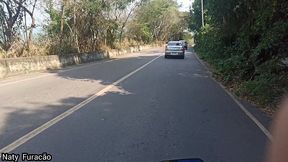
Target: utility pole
column 202, row 8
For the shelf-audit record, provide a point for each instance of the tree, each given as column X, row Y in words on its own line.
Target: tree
column 245, row 40
column 159, row 19
column 11, row 18
column 11, row 13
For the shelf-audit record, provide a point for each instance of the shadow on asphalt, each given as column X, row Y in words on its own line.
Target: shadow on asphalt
column 13, row 128
column 21, row 120
column 102, row 71
column 145, row 123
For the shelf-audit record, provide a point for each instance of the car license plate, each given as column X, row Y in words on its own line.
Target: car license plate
column 174, row 53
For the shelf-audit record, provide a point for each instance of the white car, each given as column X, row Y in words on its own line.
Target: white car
column 175, row 48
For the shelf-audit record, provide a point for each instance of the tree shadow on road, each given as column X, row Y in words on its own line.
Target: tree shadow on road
column 18, row 121
column 105, row 72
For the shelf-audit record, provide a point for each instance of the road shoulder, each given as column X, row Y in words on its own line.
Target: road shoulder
column 262, row 120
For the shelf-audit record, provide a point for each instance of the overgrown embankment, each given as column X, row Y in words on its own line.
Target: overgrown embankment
column 246, row 43
column 84, row 26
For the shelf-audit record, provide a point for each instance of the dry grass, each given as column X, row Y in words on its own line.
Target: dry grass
column 2, row 53
column 46, row 46
column 37, row 49
column 19, row 49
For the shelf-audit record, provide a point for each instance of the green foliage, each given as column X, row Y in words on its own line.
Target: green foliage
column 157, row 20
column 92, row 24
column 89, row 25
column 246, row 42
column 54, row 26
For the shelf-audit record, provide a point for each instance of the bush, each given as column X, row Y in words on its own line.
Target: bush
column 252, row 62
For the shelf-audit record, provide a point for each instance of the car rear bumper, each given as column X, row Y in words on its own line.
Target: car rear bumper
column 174, row 53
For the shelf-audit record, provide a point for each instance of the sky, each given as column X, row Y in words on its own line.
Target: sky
column 185, row 4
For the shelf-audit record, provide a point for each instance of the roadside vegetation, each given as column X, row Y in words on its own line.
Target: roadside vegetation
column 77, row 26
column 246, row 43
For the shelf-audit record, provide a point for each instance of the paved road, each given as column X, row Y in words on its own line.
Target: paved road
column 169, row 108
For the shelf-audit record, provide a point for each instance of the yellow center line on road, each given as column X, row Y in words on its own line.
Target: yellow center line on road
column 65, row 114
column 76, row 67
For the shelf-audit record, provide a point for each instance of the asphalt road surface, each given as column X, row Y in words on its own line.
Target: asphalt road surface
column 141, row 107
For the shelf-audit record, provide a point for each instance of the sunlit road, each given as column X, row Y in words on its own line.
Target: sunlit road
column 166, row 109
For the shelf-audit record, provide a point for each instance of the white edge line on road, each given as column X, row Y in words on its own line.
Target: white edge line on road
column 65, row 114
column 241, row 106
column 60, row 70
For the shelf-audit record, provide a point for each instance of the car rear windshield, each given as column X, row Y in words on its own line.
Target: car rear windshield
column 174, row 44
